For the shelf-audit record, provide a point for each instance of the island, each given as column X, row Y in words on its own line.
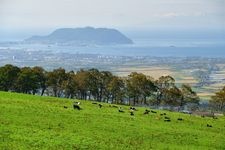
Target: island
column 82, row 36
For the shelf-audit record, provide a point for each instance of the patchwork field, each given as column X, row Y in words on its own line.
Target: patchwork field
column 181, row 76
column 154, row 72
column 34, row 122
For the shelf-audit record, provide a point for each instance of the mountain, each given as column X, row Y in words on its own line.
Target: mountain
column 87, row 35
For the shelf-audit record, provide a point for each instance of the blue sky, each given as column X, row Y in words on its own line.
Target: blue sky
column 24, row 17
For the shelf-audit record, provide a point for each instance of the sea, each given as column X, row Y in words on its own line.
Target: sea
column 141, row 47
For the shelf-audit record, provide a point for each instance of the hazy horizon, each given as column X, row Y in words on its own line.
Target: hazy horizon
column 23, row 18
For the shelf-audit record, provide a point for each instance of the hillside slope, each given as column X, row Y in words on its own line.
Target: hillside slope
column 34, row 122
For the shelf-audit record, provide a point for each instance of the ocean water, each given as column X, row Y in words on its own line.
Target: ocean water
column 141, row 47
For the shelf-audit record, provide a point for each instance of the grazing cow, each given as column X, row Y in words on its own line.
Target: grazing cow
column 132, row 108
column 100, row 105
column 76, row 107
column 167, row 117
column 164, row 113
column 161, row 114
column 180, row 119
column 121, row 110
column 94, row 103
column 65, row 107
column 154, row 112
column 146, row 112
column 78, row 103
column 167, row 120
column 132, row 113
column 209, row 125
column 115, row 106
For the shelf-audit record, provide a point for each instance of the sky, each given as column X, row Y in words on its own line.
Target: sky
column 20, row 18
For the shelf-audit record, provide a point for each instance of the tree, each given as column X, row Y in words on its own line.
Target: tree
column 139, row 87
column 149, row 88
column 27, row 81
column 218, row 100
column 83, row 85
column 41, row 78
column 70, row 85
column 164, row 83
column 172, row 96
column 55, row 80
column 116, row 90
column 189, row 96
column 94, row 83
column 105, row 77
column 8, row 77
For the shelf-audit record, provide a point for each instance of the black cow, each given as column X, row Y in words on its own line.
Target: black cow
column 77, row 103
column 100, row 105
column 154, row 112
column 121, row 111
column 146, row 112
column 209, row 125
column 132, row 113
column 65, row 107
column 167, row 120
column 180, row 119
column 167, row 117
column 75, row 106
column 133, row 108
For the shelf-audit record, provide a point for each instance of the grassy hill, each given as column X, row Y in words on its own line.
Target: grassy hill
column 34, row 122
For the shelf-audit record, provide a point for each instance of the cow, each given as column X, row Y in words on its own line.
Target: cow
column 167, row 117
column 179, row 119
column 167, row 120
column 100, row 105
column 78, row 103
column 133, row 108
column 121, row 110
column 154, row 112
column 163, row 114
column 146, row 112
column 76, row 107
column 132, row 113
column 209, row 125
column 65, row 107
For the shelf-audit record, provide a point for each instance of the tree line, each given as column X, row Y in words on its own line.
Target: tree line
column 92, row 84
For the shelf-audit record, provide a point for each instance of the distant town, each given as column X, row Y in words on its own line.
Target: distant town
column 206, row 74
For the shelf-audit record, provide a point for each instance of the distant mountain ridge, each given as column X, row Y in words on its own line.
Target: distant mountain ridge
column 87, row 35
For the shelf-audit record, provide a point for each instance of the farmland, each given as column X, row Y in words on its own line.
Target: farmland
column 206, row 74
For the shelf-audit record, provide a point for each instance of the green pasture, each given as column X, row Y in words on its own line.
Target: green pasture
column 34, row 122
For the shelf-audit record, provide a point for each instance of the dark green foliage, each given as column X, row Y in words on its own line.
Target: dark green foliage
column 8, row 77
column 102, row 86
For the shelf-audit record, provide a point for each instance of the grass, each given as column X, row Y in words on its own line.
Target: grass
column 34, row 122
